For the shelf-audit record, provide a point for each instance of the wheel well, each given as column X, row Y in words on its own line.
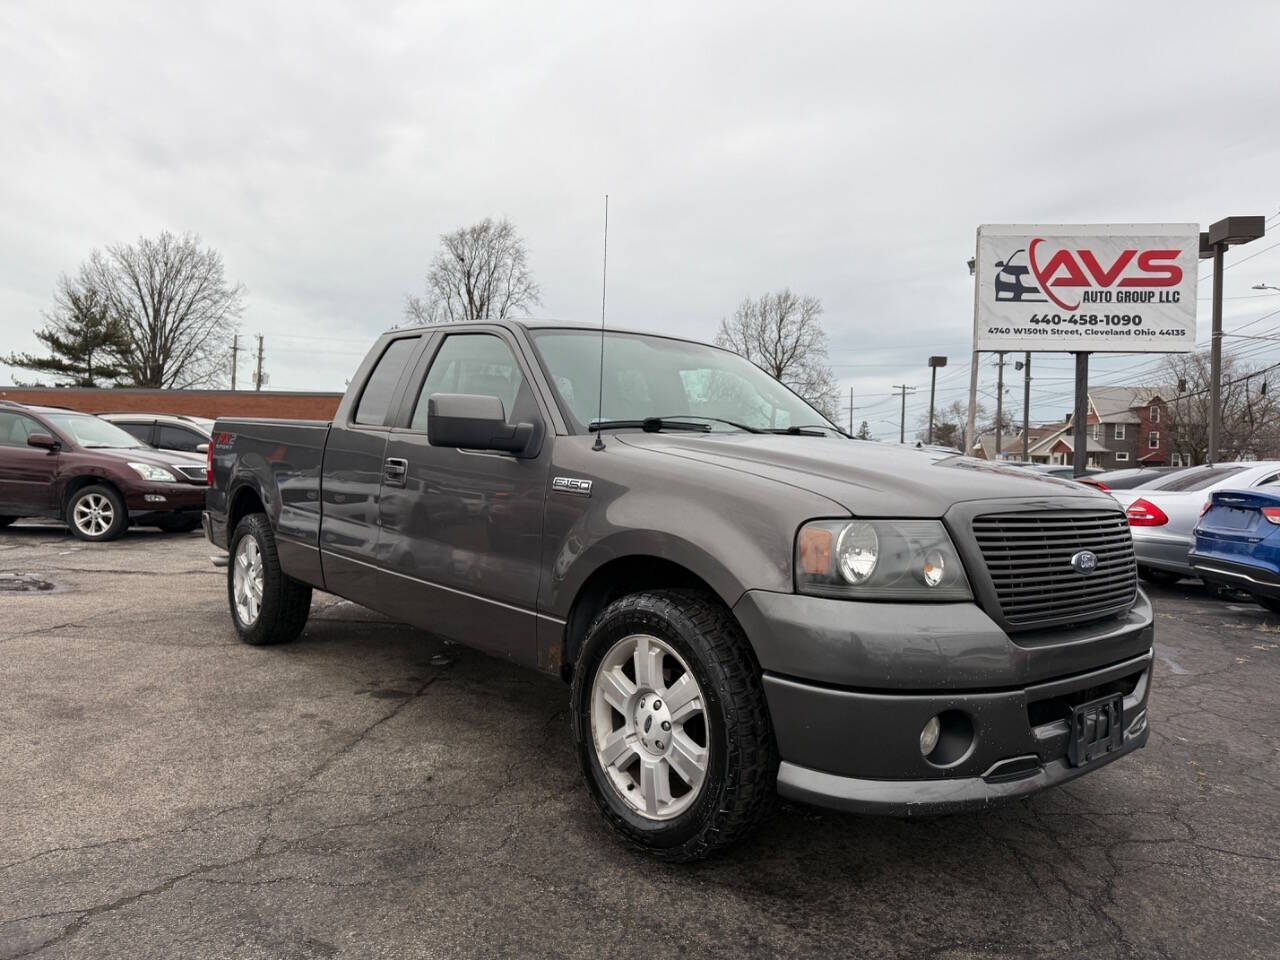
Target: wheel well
column 615, row 579
column 76, row 484
column 243, row 502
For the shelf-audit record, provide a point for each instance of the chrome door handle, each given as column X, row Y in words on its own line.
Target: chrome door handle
column 394, row 471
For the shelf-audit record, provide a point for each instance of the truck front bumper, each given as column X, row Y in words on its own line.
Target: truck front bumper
column 850, row 687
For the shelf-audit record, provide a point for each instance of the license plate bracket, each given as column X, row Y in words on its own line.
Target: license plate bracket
column 1097, row 728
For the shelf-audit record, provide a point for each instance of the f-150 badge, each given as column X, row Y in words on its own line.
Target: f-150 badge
column 571, row 485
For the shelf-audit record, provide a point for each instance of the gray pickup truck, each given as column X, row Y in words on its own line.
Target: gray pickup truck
column 745, row 601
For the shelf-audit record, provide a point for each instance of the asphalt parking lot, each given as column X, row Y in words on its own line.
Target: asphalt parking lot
column 370, row 791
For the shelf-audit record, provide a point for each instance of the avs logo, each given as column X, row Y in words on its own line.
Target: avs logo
column 1070, row 277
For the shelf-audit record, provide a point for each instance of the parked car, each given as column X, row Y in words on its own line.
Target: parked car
column 89, row 473
column 1128, row 479
column 694, row 550
column 1163, row 513
column 1237, row 543
column 177, row 434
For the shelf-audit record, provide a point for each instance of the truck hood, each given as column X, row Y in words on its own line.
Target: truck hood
column 869, row 479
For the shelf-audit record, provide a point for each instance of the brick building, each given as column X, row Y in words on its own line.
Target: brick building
column 1127, row 427
column 192, row 403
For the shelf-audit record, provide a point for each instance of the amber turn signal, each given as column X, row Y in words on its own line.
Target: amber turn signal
column 815, row 550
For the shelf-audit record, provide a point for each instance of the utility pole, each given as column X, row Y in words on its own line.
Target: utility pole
column 1227, row 232
column 235, row 355
column 1026, row 408
column 851, row 411
column 934, row 364
column 903, row 389
column 257, row 379
column 999, row 400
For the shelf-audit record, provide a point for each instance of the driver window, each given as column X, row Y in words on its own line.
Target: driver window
column 480, row 364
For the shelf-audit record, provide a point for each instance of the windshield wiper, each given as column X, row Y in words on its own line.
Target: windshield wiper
column 808, row 430
column 672, row 422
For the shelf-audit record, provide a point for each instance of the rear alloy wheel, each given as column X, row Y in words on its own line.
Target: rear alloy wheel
column 670, row 724
column 97, row 513
column 267, row 605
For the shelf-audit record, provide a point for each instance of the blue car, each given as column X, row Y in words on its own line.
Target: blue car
column 1238, row 543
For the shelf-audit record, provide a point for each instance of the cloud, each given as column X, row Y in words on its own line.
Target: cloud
column 846, row 151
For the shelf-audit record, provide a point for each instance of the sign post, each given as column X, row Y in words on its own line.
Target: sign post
column 1077, row 288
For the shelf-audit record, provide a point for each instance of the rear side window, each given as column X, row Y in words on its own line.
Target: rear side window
column 137, row 429
column 381, row 385
column 178, row 438
column 1200, row 479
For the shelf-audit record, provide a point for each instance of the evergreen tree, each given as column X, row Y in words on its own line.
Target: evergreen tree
column 85, row 342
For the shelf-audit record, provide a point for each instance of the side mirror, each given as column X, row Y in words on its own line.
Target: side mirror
column 472, row 422
column 202, row 448
column 43, row 441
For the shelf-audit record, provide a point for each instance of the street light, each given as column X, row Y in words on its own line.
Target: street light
column 1265, row 286
column 934, row 364
column 1228, row 232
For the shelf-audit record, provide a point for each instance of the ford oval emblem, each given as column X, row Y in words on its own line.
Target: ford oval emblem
column 1086, row 561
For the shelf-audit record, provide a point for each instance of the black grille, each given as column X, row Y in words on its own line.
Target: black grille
column 1028, row 557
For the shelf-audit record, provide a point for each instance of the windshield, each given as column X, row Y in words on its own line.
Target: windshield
column 91, row 432
column 649, row 376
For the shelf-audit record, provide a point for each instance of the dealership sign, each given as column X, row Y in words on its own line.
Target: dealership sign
column 1100, row 287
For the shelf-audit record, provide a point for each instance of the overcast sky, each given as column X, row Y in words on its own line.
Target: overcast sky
column 848, row 151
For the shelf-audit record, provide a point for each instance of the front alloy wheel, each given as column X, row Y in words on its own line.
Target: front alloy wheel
column 670, row 724
column 649, row 726
column 97, row 513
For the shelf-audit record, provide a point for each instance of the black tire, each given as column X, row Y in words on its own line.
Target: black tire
column 94, row 495
column 5, row 521
column 1161, row 578
column 1271, row 603
column 739, row 790
column 285, row 604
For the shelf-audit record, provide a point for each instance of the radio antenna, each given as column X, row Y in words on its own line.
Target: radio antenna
column 604, row 288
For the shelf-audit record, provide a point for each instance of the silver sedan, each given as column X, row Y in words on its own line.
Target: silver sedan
column 1163, row 514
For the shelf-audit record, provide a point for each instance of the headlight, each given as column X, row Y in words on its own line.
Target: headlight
column 153, row 473
column 879, row 560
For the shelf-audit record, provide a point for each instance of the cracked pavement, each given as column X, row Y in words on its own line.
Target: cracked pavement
column 371, row 791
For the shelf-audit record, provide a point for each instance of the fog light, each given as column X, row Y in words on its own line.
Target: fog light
column 929, row 736
column 154, row 498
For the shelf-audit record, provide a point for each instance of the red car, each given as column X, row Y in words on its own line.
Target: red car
column 75, row 467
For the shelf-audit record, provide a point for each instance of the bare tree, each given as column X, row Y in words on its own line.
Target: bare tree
column 949, row 423
column 481, row 273
column 174, row 305
column 1249, row 412
column 781, row 334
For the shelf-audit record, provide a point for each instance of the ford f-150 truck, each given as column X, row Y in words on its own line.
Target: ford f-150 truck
column 745, row 601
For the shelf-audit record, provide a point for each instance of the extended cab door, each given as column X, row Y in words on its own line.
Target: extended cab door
column 461, row 530
column 27, row 473
column 351, row 477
